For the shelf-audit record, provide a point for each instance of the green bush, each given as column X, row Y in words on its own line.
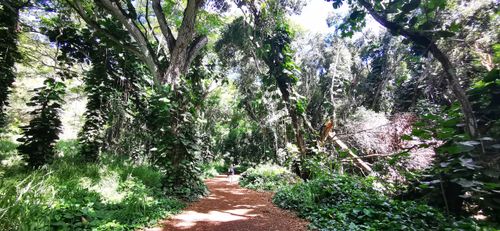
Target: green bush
column 214, row 168
column 67, row 148
column 341, row 202
column 241, row 167
column 267, row 177
column 149, row 176
column 70, row 195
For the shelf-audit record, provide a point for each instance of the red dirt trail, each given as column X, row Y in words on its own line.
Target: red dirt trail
column 232, row 208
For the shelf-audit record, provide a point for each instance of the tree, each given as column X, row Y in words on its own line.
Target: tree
column 43, row 130
column 142, row 40
column 9, row 19
column 99, row 92
column 418, row 29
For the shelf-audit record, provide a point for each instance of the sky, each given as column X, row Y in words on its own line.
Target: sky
column 314, row 15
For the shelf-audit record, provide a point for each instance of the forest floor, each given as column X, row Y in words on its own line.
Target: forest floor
column 230, row 207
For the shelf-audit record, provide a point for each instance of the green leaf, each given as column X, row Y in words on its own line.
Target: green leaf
column 423, row 134
column 406, row 137
column 454, row 27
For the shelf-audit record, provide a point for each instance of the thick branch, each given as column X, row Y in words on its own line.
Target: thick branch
column 195, row 48
column 185, row 48
column 186, row 31
column 165, row 29
column 136, row 33
column 359, row 162
column 94, row 25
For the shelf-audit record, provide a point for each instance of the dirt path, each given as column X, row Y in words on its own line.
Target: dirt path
column 232, row 208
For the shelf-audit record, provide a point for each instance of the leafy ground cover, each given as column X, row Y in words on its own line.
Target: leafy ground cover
column 68, row 195
column 340, row 202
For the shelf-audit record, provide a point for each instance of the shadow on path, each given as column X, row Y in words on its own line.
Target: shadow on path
column 232, row 208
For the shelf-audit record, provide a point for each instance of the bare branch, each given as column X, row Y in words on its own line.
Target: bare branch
column 357, row 160
column 146, row 17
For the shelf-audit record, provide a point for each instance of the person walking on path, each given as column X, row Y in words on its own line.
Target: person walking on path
column 230, row 173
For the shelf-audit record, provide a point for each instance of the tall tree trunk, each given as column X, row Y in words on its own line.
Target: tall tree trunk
column 285, row 88
column 332, row 98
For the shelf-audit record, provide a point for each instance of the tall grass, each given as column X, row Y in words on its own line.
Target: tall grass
column 70, row 195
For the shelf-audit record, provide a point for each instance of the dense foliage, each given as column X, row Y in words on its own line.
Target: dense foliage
column 40, row 135
column 339, row 202
column 9, row 54
column 386, row 120
column 466, row 167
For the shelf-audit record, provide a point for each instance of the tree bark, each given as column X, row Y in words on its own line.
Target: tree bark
column 285, row 89
column 332, row 98
column 185, row 49
column 450, row 72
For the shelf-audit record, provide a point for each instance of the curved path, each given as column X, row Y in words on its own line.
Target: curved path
column 232, row 208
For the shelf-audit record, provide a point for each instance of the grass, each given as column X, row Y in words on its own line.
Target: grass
column 70, row 195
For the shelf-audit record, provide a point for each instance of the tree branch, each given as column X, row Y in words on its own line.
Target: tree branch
column 146, row 17
column 193, row 50
column 358, row 161
column 136, row 33
column 94, row 25
column 188, row 21
column 165, row 29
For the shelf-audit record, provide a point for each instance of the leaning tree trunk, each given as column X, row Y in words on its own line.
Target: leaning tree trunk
column 450, row 72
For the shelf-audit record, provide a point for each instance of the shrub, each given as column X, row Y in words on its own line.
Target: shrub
column 214, row 168
column 346, row 203
column 267, row 177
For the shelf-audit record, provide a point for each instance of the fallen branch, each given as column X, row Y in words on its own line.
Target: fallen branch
column 379, row 155
column 357, row 160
